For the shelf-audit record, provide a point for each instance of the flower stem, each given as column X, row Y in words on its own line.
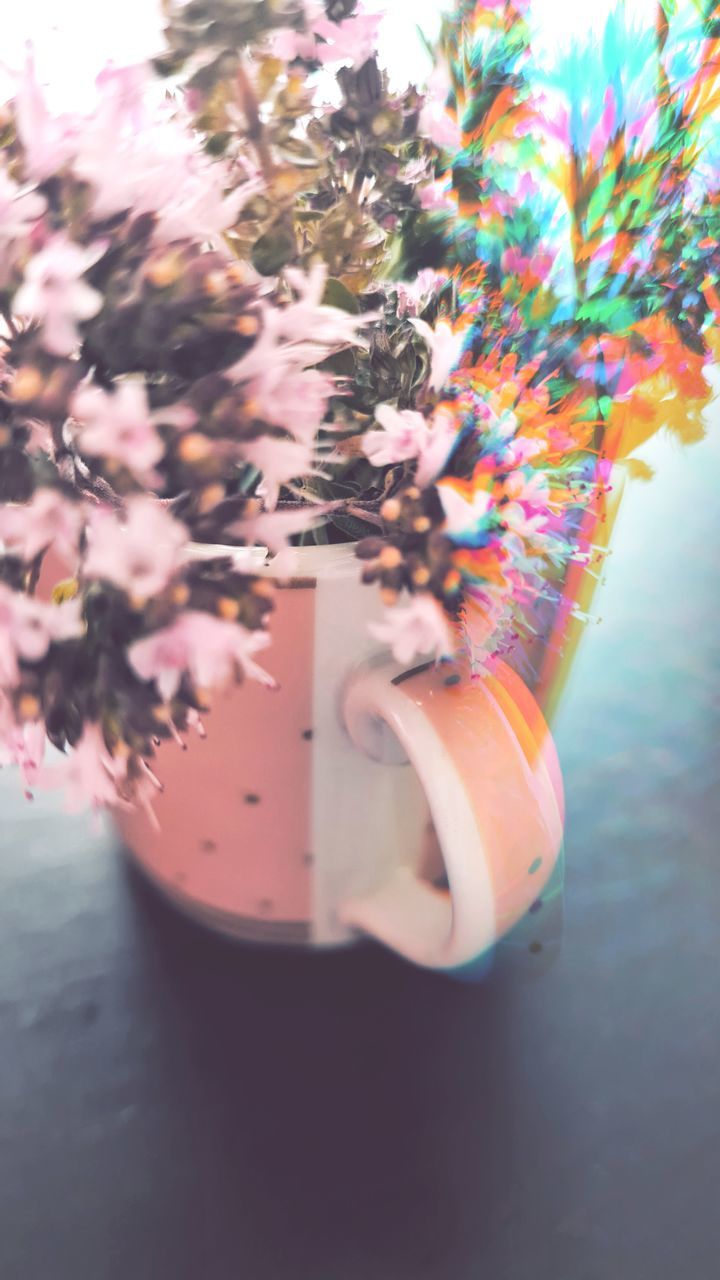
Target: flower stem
column 251, row 111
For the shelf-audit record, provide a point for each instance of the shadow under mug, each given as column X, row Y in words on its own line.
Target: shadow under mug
column 417, row 807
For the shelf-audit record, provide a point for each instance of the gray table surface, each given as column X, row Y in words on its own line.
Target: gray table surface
column 173, row 1106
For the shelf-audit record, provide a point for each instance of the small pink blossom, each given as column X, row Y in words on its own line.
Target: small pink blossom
column 22, row 745
column 39, row 438
column 532, row 488
column 279, row 461
column 296, row 399
column 139, row 553
column 404, row 435
column 203, row 209
column 353, row 40
column 416, row 628
column 55, row 294
column 408, row 434
column 436, row 122
column 296, row 337
column 48, row 140
column 123, row 93
column 119, row 426
column 522, row 449
column 28, row 627
column 135, row 154
column 446, row 347
column 437, row 196
column 287, row 45
column 414, row 295
column 440, row 442
column 87, row 775
column 207, row 647
column 440, row 127
column 272, row 529
column 47, row 519
column 519, row 5
column 309, row 319
column 20, row 212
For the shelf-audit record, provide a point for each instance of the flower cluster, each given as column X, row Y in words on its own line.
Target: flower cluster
column 256, row 297
column 193, row 324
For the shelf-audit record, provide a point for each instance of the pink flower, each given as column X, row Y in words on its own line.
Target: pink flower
column 522, row 449
column 519, row 5
column 404, row 435
column 354, row 39
column 416, row 628
column 48, row 141
column 123, row 91
column 202, row 208
column 118, row 426
column 296, row 399
column 272, row 529
column 141, row 553
column 46, row 520
column 351, row 40
column 40, row 438
column 441, row 440
column 287, row 45
column 407, row 435
column 446, row 346
column 414, row 295
column 292, row 339
column 137, row 155
column 20, row 211
column 55, row 294
column 280, row 461
column 437, row 196
column 87, row 774
column 309, row 319
column 435, row 121
column 28, row 627
column 22, row 745
column 533, row 488
column 207, row 647
column 440, row 127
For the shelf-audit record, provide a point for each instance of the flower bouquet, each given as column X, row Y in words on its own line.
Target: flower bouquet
column 272, row 334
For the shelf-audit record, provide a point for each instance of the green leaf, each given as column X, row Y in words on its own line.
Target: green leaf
column 273, row 251
column 352, row 528
column 600, row 203
column 338, row 295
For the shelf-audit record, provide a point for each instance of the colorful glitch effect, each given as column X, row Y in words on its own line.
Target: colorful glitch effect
column 585, row 247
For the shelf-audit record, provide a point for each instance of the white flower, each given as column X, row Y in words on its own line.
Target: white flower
column 419, row 627
column 463, row 515
column 446, row 346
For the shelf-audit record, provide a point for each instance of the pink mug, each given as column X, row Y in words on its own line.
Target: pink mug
column 417, row 807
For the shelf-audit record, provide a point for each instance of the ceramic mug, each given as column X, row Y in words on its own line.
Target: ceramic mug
column 358, row 798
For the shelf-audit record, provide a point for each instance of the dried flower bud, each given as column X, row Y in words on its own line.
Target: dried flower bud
column 27, row 384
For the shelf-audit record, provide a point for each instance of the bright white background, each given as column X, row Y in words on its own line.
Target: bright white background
column 74, row 38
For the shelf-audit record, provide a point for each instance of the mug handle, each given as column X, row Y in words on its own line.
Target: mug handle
column 487, row 763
